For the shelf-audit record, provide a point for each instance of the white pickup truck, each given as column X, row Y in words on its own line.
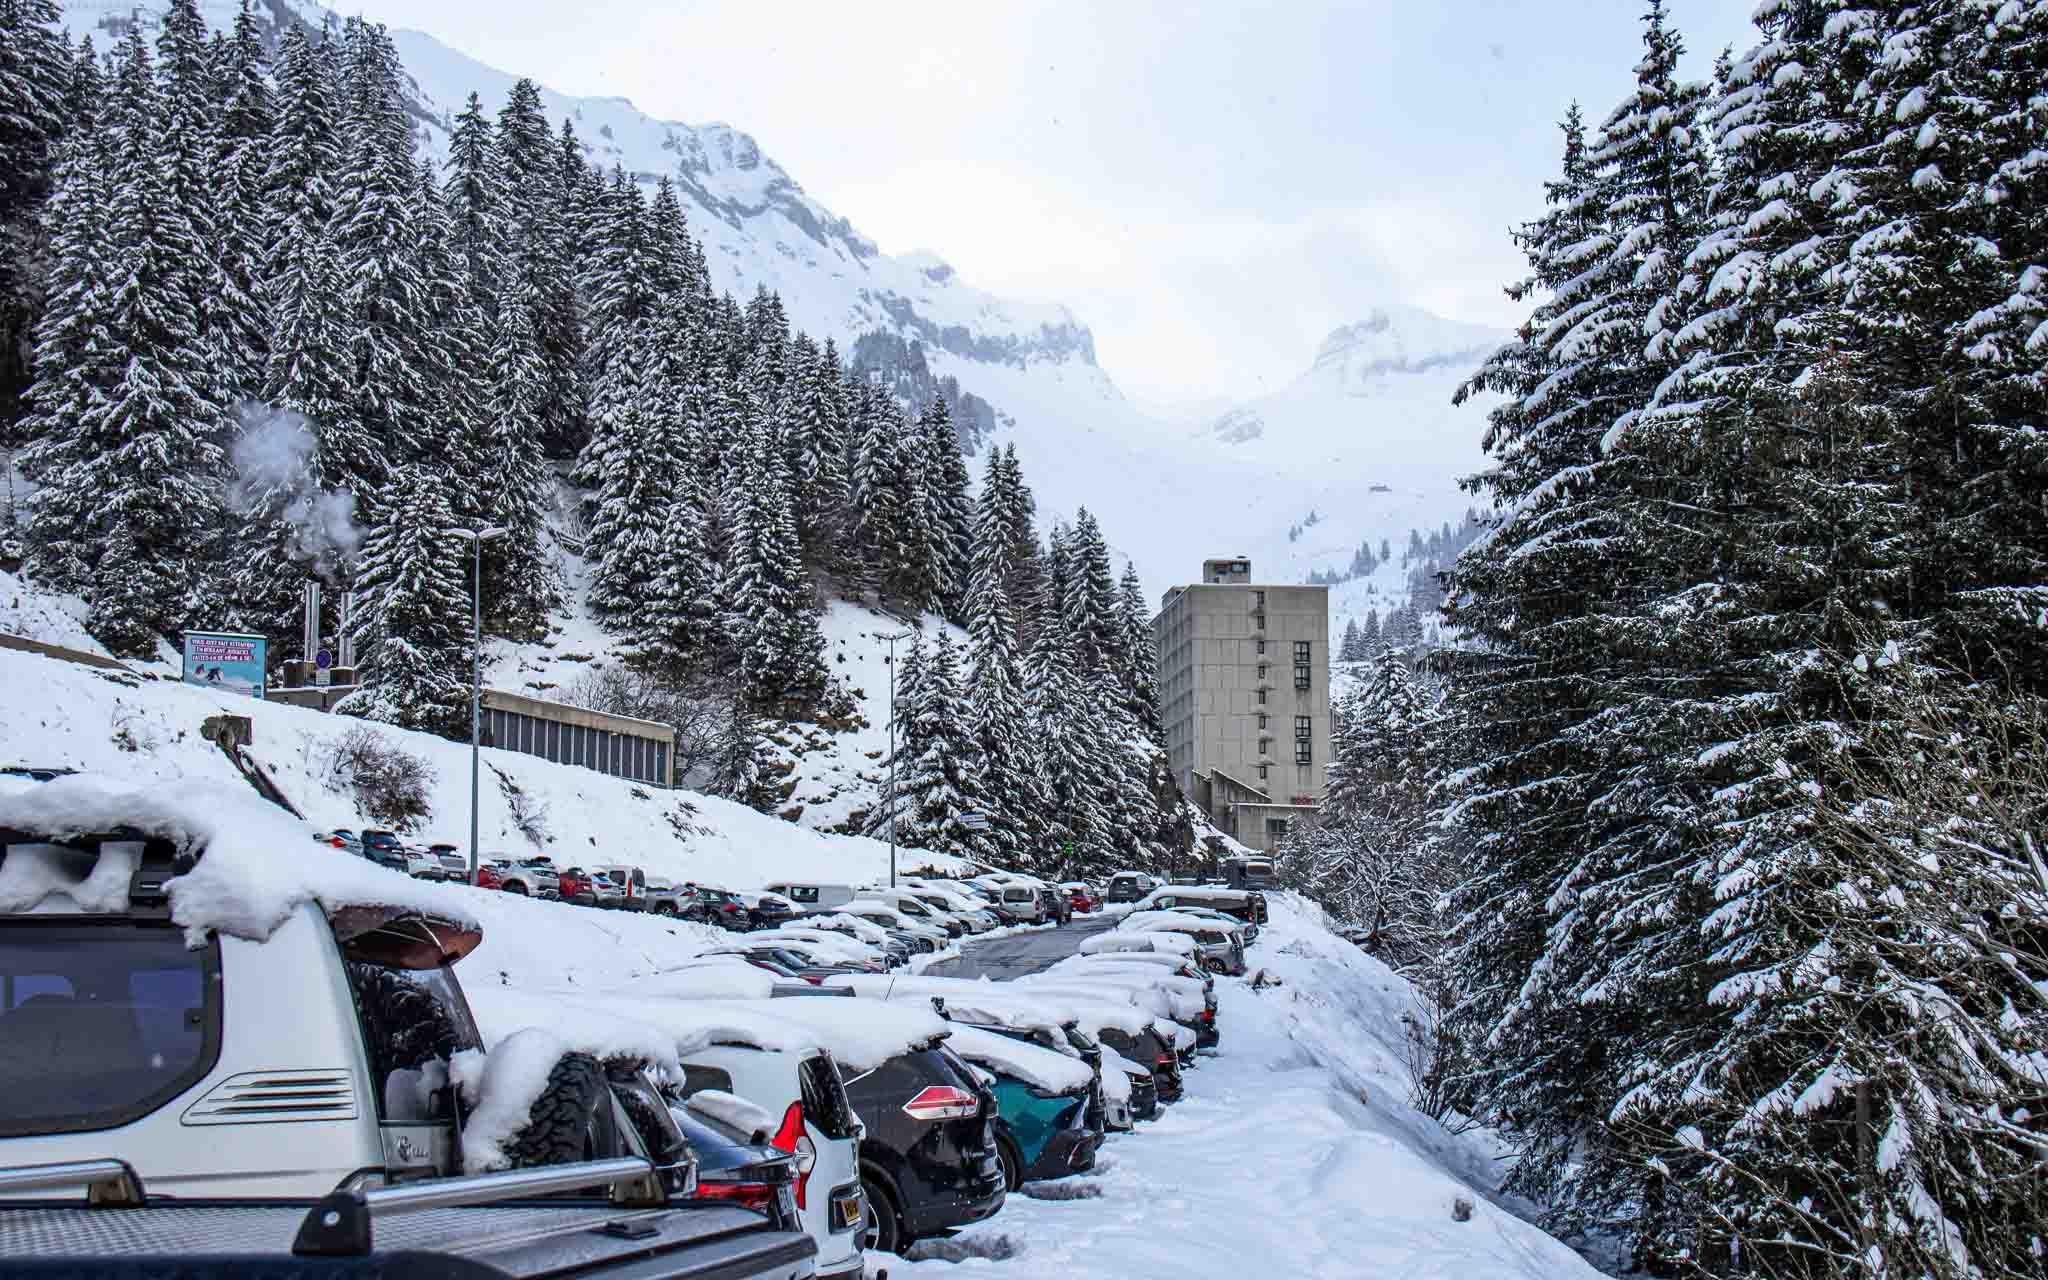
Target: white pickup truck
column 292, row 1081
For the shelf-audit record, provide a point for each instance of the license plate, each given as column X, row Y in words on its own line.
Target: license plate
column 846, row 1210
column 786, row 1197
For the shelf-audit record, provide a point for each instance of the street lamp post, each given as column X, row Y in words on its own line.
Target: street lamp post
column 476, row 538
column 892, row 753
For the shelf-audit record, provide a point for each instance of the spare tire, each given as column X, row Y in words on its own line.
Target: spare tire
column 570, row 1120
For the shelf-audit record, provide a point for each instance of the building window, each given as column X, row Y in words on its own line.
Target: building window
column 1262, row 648
column 1262, row 720
column 1262, row 671
column 1303, row 754
column 1302, row 725
column 1301, row 650
column 1262, row 697
column 1259, row 621
column 1262, row 772
column 1276, row 827
column 1301, row 680
column 1258, row 599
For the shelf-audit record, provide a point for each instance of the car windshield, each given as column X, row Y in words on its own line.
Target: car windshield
column 99, row 1022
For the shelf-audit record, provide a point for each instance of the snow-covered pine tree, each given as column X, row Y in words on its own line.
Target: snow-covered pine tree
column 768, row 605
column 948, row 511
column 411, row 639
column 881, row 488
column 1073, row 752
column 1369, row 635
column 677, row 626
column 453, row 437
column 189, row 143
column 817, row 419
column 936, row 788
column 241, row 318
column 377, row 240
column 1140, row 677
column 477, row 198
column 1352, row 649
column 892, row 811
column 539, row 255
column 1089, row 607
column 629, row 477
column 521, row 585
column 147, row 484
column 1012, row 786
column 72, row 370
column 36, row 71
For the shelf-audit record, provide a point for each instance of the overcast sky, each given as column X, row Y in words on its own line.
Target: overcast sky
column 1211, row 187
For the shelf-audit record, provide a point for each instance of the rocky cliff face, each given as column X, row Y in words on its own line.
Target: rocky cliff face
column 1395, row 340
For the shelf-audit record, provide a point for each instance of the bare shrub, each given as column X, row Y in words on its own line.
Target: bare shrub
column 529, row 812
column 716, row 735
column 388, row 784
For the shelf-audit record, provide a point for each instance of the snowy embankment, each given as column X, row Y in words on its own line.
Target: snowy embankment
column 56, row 713
column 1295, row 1153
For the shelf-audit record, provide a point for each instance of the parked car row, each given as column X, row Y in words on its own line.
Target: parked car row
column 838, row 1105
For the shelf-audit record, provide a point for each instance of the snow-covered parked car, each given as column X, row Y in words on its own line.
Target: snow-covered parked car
column 929, row 1155
column 1138, row 942
column 232, row 1023
column 1219, row 940
column 1247, row 906
column 1047, row 1111
column 929, row 936
column 530, row 877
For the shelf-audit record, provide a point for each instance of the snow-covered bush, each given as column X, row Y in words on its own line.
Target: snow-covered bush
column 389, row 785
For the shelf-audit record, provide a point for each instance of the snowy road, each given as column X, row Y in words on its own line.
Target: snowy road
column 1019, row 954
column 1294, row 1154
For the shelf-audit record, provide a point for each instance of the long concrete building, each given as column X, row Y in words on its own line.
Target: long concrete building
column 1244, row 693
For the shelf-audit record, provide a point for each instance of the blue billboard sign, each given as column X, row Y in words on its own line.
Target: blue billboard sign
column 225, row 660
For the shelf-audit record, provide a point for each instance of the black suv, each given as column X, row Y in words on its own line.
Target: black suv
column 928, row 1161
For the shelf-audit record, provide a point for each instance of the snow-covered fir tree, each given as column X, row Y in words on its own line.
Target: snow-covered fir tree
column 412, row 644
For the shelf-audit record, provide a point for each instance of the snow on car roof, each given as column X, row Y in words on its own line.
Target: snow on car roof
column 822, row 940
column 1037, row 1067
column 966, row 998
column 1170, row 922
column 1137, row 941
column 862, row 1034
column 731, row 1109
column 865, row 930
column 1200, row 892
column 259, row 863
column 708, row 978
column 1133, row 988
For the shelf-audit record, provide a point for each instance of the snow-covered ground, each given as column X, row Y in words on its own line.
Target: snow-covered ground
column 56, row 713
column 1295, row 1153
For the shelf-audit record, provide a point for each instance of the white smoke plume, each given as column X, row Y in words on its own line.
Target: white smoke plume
column 275, row 477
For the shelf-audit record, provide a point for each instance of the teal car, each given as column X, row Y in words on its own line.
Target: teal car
column 1047, row 1124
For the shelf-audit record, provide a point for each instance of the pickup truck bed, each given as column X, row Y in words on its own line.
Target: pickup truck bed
column 244, row 1238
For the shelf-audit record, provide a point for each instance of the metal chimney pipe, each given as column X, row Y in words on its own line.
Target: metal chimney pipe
column 311, row 636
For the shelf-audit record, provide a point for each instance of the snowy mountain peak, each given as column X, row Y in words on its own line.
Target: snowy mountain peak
column 1399, row 339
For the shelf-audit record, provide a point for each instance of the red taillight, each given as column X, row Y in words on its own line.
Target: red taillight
column 758, row 1196
column 1208, row 1015
column 792, row 1138
column 1167, row 1059
column 942, row 1102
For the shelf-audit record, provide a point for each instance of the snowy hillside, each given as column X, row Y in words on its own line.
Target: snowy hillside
column 115, row 724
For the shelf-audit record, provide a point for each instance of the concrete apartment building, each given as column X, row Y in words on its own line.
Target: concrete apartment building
column 1244, row 692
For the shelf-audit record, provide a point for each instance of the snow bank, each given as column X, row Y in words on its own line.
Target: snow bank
column 1039, row 1068
column 1311, row 1094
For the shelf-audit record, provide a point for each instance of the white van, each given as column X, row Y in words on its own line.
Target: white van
column 810, row 898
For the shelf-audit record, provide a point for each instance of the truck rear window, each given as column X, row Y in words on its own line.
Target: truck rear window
column 101, row 1022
